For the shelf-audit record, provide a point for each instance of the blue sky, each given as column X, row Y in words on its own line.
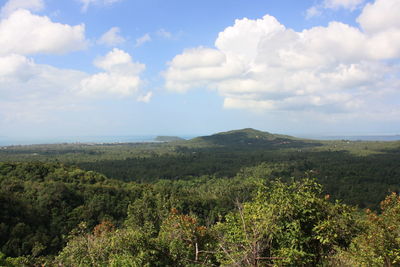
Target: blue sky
column 122, row 67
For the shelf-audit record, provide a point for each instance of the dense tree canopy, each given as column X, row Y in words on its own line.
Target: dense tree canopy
column 62, row 215
column 237, row 198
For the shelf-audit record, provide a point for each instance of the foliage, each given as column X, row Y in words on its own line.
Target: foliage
column 188, row 243
column 180, row 242
column 359, row 173
column 285, row 224
column 41, row 203
column 106, row 246
column 379, row 244
column 53, row 212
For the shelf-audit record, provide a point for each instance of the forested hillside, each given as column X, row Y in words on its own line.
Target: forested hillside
column 246, row 198
column 359, row 173
column 57, row 215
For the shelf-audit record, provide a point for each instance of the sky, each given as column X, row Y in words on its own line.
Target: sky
column 134, row 67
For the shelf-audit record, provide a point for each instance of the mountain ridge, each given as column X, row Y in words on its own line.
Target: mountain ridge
column 246, row 136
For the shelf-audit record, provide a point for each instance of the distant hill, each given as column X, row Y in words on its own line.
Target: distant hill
column 168, row 138
column 248, row 137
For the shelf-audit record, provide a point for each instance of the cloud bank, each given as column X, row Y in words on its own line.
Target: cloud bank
column 262, row 65
column 29, row 91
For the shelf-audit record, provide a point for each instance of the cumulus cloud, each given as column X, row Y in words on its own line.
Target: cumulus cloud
column 13, row 5
column 112, row 37
column 200, row 67
column 380, row 16
column 87, row 3
column 26, row 87
column 121, row 76
column 31, row 92
column 143, row 39
column 262, row 65
column 15, row 67
column 28, row 90
column 25, row 33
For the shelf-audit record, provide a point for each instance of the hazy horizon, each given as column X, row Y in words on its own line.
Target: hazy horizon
column 10, row 141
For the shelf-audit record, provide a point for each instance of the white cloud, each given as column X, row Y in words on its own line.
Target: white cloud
column 200, row 67
column 262, row 65
column 21, row 76
column 345, row 4
column 110, row 83
column 313, row 11
column 25, row 33
column 112, row 37
column 31, row 92
column 119, row 61
column 87, row 3
column 143, row 39
column 120, row 76
column 244, row 36
column 27, row 89
column 317, row 10
column 380, row 16
column 145, row 98
column 13, row 5
column 164, row 34
column 15, row 67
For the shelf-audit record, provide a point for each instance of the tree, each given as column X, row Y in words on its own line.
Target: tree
column 186, row 241
column 379, row 244
column 106, row 246
column 289, row 224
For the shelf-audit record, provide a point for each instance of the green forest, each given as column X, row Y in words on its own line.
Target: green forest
column 238, row 198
